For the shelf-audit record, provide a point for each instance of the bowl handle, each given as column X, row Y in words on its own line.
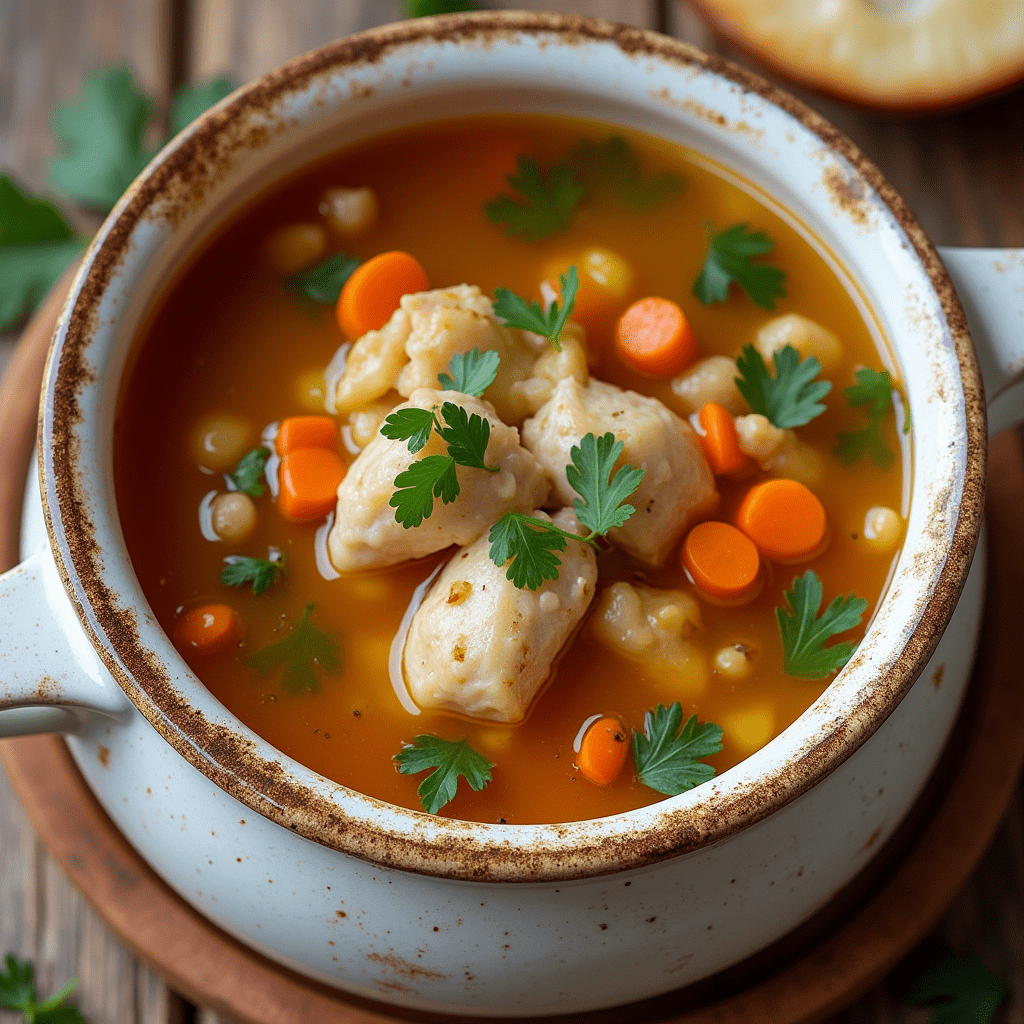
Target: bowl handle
column 990, row 284
column 51, row 679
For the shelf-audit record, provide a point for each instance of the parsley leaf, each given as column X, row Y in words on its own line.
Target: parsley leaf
column 789, row 399
column 260, row 572
column 969, row 991
column 549, row 205
column 248, row 474
column 300, row 651
column 530, row 316
column 18, row 992
column 424, row 8
column 466, row 437
column 323, row 283
column 729, row 259
column 667, row 759
column 530, row 543
column 804, row 633
column 449, row 759
column 102, row 137
column 426, row 479
column 873, row 390
column 36, row 246
column 192, row 100
column 412, row 425
column 601, row 508
column 472, row 373
column 614, row 165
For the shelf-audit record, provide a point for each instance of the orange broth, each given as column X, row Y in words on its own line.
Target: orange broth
column 229, row 337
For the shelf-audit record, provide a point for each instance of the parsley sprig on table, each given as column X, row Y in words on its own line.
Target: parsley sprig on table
column 667, row 757
column 873, row 390
column 323, row 282
column 301, row 651
column 449, row 760
column 531, row 316
column 260, row 572
column 730, row 259
column 966, row 991
column 18, row 993
column 792, row 397
column 804, row 632
column 528, row 544
column 613, row 165
column 103, row 141
column 247, row 476
column 548, row 204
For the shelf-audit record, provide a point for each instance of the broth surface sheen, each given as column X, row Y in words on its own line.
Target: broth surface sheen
column 229, row 337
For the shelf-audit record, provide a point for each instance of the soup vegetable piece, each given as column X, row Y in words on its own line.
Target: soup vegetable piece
column 522, row 469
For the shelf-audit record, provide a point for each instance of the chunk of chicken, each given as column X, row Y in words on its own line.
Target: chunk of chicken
column 677, row 486
column 480, row 646
column 781, row 452
column 418, row 342
column 808, row 337
column 709, row 380
column 653, row 626
column 365, row 534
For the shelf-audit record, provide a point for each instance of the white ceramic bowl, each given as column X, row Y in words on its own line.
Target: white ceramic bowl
column 473, row 918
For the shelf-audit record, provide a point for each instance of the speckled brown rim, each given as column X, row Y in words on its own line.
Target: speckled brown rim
column 249, row 769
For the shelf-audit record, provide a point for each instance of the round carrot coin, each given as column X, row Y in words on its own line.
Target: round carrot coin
column 784, row 518
column 374, row 290
column 722, row 561
column 208, row 629
column 654, row 337
column 603, row 751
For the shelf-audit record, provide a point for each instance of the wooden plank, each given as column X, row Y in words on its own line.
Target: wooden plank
column 48, row 48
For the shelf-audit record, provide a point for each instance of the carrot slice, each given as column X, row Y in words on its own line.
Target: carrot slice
column 309, row 483
column 603, row 751
column 305, row 432
column 720, row 444
column 208, row 629
column 374, row 290
column 721, row 561
column 654, row 337
column 784, row 519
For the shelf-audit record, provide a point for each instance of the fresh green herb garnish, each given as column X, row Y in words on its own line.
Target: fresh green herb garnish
column 549, row 204
column 260, row 572
column 449, row 759
column 192, row 100
column 472, row 373
column 730, row 259
column 804, row 632
column 873, row 390
column 969, row 992
column 530, row 316
column 613, row 164
column 323, row 283
column 301, row 651
column 667, row 758
column 248, row 474
column 789, row 399
column 425, row 8
column 18, row 993
column 528, row 544
column 434, row 476
column 36, row 246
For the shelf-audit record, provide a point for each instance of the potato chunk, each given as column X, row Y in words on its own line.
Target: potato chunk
column 677, row 485
column 808, row 337
column 653, row 626
column 480, row 646
column 709, row 380
column 418, row 343
column 365, row 534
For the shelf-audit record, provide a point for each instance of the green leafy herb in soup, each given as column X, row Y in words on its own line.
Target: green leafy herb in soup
column 514, row 468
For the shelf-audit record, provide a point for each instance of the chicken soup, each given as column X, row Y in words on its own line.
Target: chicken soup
column 518, row 469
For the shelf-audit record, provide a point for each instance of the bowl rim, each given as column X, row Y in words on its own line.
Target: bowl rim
column 252, row 770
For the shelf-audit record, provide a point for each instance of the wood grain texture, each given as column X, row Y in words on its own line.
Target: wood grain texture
column 961, row 174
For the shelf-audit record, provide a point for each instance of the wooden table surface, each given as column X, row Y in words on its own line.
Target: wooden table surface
column 961, row 173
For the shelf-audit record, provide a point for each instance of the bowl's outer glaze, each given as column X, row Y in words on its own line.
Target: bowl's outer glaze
column 601, row 912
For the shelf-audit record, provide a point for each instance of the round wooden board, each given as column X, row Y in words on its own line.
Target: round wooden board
column 811, row 974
